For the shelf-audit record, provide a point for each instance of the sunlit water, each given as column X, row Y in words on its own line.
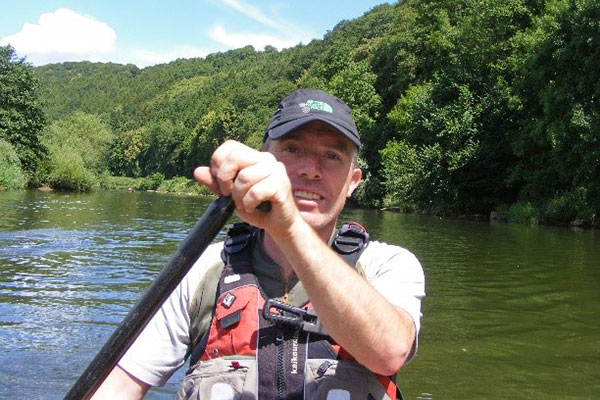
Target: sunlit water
column 512, row 311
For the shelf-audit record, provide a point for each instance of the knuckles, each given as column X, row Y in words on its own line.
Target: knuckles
column 232, row 166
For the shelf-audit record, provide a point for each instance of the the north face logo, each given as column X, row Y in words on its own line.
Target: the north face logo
column 315, row 105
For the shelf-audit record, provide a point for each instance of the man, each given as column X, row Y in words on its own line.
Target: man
column 307, row 172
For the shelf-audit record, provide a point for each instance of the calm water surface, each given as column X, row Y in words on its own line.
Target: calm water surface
column 512, row 311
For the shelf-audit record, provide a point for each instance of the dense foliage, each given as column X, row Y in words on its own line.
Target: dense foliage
column 463, row 106
column 21, row 120
column 11, row 173
column 77, row 147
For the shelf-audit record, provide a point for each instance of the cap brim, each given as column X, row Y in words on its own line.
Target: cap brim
column 283, row 129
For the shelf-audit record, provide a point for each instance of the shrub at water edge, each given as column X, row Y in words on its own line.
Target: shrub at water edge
column 11, row 174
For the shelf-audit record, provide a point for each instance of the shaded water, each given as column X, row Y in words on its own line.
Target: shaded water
column 512, row 311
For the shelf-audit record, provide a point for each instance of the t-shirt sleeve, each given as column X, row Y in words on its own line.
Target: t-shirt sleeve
column 397, row 274
column 161, row 347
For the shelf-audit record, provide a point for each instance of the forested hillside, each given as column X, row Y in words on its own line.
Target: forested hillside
column 464, row 107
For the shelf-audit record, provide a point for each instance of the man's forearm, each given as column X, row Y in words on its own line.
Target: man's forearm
column 362, row 321
column 121, row 385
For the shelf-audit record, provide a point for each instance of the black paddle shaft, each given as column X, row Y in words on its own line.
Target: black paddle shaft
column 210, row 224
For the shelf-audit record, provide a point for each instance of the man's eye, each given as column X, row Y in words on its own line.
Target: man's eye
column 291, row 149
column 332, row 156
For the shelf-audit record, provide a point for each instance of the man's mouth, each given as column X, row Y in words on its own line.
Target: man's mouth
column 302, row 194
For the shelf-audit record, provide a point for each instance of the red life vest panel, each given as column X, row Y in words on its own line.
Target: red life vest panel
column 281, row 337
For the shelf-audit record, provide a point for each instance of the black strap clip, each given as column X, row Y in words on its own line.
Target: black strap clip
column 350, row 238
column 238, row 237
column 305, row 319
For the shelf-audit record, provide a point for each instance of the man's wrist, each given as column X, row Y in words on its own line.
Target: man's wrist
column 295, row 231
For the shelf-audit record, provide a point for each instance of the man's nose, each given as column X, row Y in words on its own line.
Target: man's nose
column 310, row 166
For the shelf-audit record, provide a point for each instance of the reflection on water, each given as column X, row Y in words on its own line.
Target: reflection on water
column 512, row 311
column 71, row 268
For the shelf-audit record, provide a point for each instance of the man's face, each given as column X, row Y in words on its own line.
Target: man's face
column 319, row 163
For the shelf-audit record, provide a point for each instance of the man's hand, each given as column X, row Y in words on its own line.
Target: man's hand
column 251, row 177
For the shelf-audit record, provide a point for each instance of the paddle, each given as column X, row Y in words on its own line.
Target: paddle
column 203, row 233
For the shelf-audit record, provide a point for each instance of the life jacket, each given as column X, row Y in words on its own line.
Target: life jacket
column 261, row 348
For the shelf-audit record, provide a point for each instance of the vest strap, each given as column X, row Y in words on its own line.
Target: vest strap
column 303, row 318
column 350, row 241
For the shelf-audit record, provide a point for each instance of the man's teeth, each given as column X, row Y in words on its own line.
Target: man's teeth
column 306, row 195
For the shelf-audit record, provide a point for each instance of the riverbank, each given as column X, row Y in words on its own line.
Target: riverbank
column 520, row 213
column 178, row 185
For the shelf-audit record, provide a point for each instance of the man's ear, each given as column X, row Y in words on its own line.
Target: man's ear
column 354, row 181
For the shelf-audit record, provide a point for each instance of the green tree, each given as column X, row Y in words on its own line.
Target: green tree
column 354, row 85
column 124, row 153
column 559, row 143
column 214, row 128
column 446, row 136
column 396, row 58
column 11, row 175
column 21, row 116
column 78, row 148
column 163, row 148
column 401, row 169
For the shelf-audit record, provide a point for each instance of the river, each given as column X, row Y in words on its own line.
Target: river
column 511, row 311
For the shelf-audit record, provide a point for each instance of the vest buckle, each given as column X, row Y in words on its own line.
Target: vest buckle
column 238, row 237
column 304, row 319
column 350, row 238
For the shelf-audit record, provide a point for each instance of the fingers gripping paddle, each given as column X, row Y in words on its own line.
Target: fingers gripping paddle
column 203, row 233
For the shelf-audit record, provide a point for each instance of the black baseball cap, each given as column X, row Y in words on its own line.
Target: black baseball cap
column 303, row 106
